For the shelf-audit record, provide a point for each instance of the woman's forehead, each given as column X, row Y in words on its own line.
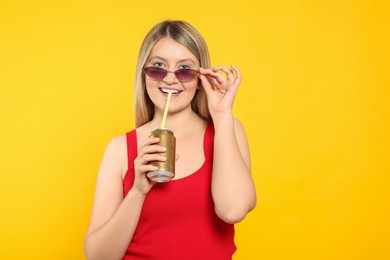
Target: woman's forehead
column 169, row 50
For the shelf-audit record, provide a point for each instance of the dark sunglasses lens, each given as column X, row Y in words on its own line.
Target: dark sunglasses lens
column 186, row 75
column 156, row 73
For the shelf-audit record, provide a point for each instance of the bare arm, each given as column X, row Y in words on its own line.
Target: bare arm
column 232, row 187
column 114, row 218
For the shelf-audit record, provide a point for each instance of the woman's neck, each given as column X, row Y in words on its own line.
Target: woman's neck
column 178, row 122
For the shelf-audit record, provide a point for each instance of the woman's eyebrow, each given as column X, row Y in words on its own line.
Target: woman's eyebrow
column 157, row 58
column 179, row 61
column 187, row 60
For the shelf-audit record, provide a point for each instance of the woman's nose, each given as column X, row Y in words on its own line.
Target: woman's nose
column 170, row 78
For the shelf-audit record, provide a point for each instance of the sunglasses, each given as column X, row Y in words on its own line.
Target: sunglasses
column 183, row 75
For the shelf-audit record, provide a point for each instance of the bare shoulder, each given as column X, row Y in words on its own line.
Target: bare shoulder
column 116, row 153
column 117, row 143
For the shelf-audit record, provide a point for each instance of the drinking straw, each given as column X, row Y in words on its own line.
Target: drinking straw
column 166, row 109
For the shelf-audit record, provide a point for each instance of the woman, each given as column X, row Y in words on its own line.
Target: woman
column 193, row 215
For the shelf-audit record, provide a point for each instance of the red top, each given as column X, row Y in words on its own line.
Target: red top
column 178, row 219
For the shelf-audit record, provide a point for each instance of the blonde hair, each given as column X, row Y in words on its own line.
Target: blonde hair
column 189, row 37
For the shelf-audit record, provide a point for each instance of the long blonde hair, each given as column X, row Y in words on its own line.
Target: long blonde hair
column 189, row 37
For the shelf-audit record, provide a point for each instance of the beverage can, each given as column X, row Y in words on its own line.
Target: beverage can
column 166, row 169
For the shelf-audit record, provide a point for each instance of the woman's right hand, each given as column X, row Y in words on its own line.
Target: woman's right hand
column 149, row 150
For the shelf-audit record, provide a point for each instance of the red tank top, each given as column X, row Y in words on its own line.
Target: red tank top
column 178, row 219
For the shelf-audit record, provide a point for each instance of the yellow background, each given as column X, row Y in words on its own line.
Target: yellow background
column 314, row 101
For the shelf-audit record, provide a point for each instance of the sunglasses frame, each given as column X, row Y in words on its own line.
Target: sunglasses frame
column 167, row 71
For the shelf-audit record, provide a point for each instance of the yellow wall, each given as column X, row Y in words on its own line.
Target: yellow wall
column 314, row 100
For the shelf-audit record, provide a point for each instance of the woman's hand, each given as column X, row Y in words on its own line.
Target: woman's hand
column 148, row 151
column 220, row 89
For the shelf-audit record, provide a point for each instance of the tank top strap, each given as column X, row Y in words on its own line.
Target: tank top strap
column 132, row 152
column 131, row 138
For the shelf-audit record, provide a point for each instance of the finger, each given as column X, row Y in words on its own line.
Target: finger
column 152, row 157
column 216, row 85
column 176, row 157
column 153, row 149
column 149, row 150
column 149, row 141
column 213, row 81
column 206, row 84
column 212, row 74
column 148, row 168
column 238, row 74
column 229, row 73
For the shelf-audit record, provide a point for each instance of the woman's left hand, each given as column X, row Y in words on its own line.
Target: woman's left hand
column 220, row 89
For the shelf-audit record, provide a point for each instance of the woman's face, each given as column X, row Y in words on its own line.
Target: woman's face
column 171, row 55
